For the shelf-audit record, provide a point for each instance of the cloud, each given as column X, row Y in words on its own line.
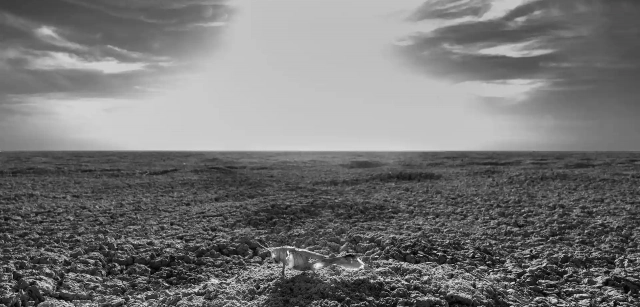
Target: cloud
column 513, row 89
column 17, row 22
column 55, row 60
column 525, row 49
column 101, row 48
column 182, row 13
column 60, row 60
column 50, row 35
column 27, row 71
column 450, row 9
column 132, row 55
column 137, row 26
column 564, row 43
column 572, row 62
column 149, row 4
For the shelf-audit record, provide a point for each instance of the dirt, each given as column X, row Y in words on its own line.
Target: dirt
column 436, row 229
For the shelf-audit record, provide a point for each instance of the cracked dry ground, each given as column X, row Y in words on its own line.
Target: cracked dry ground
column 437, row 229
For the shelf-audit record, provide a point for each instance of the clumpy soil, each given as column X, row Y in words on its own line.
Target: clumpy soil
column 435, row 229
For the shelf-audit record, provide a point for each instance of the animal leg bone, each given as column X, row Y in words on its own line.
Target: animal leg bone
column 283, row 267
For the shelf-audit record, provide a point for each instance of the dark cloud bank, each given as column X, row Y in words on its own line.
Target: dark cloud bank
column 101, row 48
column 584, row 52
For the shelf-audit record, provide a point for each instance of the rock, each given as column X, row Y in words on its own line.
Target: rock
column 115, row 287
column 310, row 241
column 8, row 299
column 114, row 302
column 142, row 259
column 262, row 253
column 96, row 257
column 123, row 259
column 114, row 268
column 424, row 302
column 530, row 280
column 21, row 264
column 399, row 292
column 397, row 256
column 252, row 244
column 38, row 286
column 201, row 251
column 334, row 247
column 364, row 247
column 219, row 264
column 577, row 261
column 52, row 302
column 158, row 263
column 203, row 261
column 248, row 254
column 77, row 253
column 184, row 258
column 619, row 298
column 356, row 239
column 220, row 246
column 49, row 258
column 138, row 269
column 214, row 254
column 72, row 291
column 537, row 289
column 34, row 293
column 459, row 298
column 602, row 281
column 111, row 244
column 46, row 272
column 242, row 248
column 83, row 268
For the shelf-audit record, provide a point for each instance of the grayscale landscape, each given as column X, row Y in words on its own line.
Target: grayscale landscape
column 427, row 153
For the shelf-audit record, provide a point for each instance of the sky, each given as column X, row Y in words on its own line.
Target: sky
column 319, row 75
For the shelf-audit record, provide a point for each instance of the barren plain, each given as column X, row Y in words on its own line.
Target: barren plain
column 436, row 229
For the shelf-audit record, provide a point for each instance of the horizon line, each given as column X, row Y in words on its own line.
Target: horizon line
column 331, row 151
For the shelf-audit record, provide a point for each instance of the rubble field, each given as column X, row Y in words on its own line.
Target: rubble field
column 435, row 229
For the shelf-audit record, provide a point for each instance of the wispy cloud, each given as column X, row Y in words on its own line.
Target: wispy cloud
column 14, row 21
column 64, row 46
column 162, row 12
column 513, row 90
column 507, row 41
column 59, row 60
column 132, row 55
column 530, row 48
column 50, row 35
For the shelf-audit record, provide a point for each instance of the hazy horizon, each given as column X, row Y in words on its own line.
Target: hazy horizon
column 325, row 151
column 319, row 75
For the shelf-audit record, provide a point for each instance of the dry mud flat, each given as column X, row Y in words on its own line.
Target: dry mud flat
column 437, row 229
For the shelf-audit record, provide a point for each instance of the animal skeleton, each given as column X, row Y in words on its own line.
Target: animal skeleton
column 304, row 260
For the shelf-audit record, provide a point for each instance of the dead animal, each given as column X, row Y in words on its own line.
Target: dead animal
column 305, row 260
